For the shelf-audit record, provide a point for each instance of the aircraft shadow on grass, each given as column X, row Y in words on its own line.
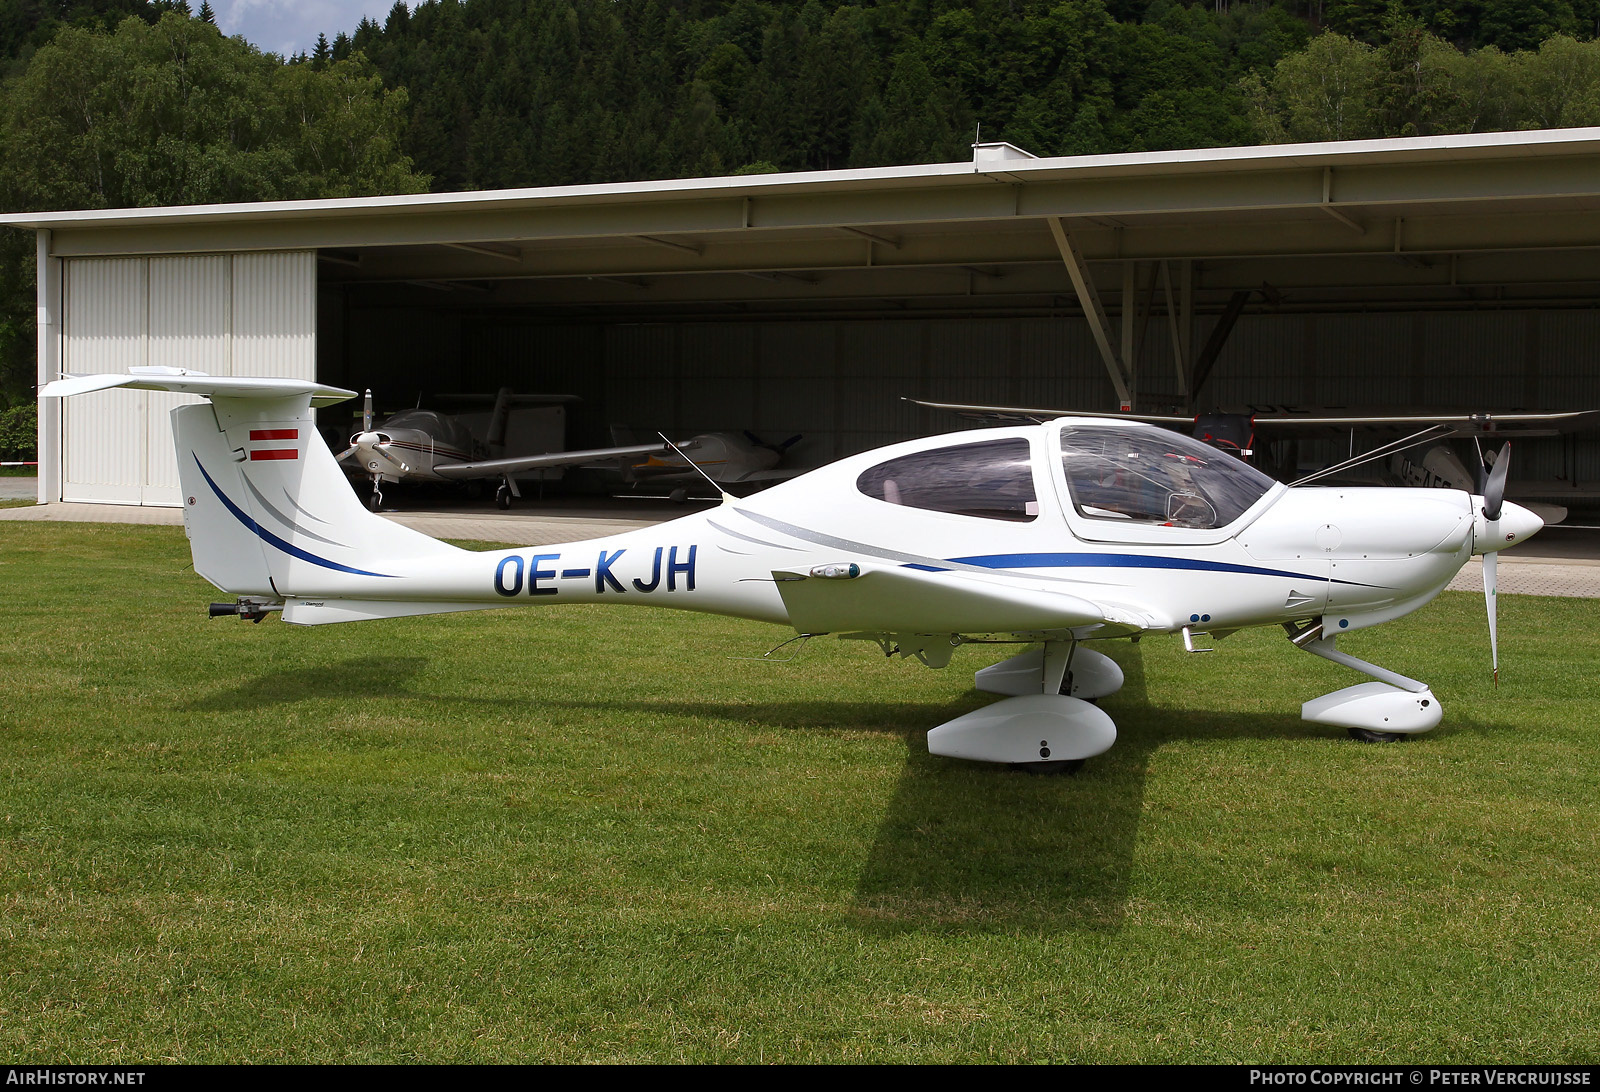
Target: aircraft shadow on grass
column 965, row 847
column 375, row 677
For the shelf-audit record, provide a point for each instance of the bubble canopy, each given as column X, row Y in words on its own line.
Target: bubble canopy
column 1155, row 477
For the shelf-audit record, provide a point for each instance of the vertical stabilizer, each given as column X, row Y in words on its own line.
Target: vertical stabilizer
column 266, row 507
column 260, row 465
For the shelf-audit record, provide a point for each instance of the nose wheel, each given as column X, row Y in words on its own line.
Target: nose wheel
column 1367, row 735
column 1065, row 769
column 375, row 500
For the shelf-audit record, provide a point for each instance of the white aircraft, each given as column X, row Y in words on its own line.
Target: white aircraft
column 1055, row 534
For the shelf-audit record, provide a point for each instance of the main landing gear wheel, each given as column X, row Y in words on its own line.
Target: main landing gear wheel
column 1367, row 735
column 375, row 501
column 502, row 498
column 1066, row 768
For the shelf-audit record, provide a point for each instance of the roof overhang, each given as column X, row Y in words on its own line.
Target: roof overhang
column 1428, row 218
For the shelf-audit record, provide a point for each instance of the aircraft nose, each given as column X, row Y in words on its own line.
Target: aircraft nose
column 1516, row 524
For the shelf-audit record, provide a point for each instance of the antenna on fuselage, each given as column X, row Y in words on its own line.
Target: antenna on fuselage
column 727, row 497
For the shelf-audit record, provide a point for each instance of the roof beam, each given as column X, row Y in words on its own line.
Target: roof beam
column 696, row 249
column 1327, row 203
column 507, row 254
column 892, row 241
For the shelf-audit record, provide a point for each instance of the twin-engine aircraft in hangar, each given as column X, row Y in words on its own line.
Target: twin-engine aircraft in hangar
column 1052, row 536
column 421, row 445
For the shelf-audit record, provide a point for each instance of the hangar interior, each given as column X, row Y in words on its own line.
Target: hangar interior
column 1427, row 274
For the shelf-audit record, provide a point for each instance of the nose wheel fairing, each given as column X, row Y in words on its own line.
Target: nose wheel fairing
column 1376, row 707
column 1392, row 706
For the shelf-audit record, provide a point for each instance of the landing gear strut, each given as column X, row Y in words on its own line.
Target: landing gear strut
column 1374, row 712
column 508, row 489
column 375, row 501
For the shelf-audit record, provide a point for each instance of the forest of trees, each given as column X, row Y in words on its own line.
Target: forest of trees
column 111, row 110
column 110, row 103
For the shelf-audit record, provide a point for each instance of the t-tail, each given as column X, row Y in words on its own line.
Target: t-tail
column 273, row 521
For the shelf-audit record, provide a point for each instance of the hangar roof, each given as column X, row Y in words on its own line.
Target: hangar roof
column 1470, row 220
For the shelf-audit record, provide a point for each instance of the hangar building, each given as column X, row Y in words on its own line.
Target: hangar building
column 1436, row 272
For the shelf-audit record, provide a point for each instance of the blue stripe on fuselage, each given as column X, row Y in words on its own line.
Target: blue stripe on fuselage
column 1123, row 561
column 267, row 536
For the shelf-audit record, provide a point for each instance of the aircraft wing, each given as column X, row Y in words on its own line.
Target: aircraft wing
column 1463, row 423
column 774, row 475
column 1024, row 413
column 900, row 599
column 496, row 468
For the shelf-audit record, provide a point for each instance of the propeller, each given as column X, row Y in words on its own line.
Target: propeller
column 1494, row 496
column 366, row 412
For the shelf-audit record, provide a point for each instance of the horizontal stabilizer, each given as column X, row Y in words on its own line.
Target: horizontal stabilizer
column 180, row 381
column 906, row 600
column 317, row 612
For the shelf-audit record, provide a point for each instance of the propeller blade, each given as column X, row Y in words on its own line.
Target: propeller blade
column 1490, row 600
column 366, row 413
column 1494, row 491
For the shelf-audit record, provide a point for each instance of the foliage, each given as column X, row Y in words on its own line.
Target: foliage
column 1508, row 25
column 550, row 92
column 173, row 113
column 19, row 430
column 25, row 25
column 1416, row 84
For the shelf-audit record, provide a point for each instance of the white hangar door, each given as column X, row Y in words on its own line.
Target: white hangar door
column 227, row 314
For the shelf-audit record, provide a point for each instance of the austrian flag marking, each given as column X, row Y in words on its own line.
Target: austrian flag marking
column 258, row 454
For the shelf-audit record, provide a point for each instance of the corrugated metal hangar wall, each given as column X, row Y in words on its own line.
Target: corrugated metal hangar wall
column 228, row 314
column 840, row 382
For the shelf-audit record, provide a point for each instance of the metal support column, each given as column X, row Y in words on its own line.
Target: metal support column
column 48, row 322
column 1089, row 300
column 1180, row 362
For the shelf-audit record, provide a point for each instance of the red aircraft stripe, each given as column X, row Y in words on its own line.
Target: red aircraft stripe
column 274, row 434
column 274, row 453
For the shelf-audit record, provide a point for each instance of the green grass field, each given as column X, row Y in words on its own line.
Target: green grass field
column 580, row 834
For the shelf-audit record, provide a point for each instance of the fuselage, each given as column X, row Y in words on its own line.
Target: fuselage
column 409, row 444
column 1163, row 530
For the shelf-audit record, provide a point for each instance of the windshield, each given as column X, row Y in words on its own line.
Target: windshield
column 1154, row 476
